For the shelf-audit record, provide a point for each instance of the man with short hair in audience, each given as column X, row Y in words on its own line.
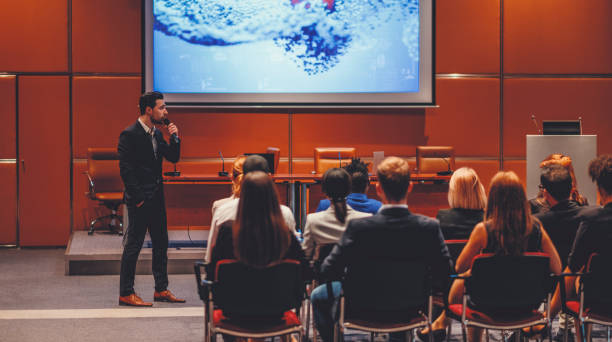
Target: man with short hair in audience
column 228, row 210
column 360, row 181
column 394, row 232
column 562, row 220
column 595, row 231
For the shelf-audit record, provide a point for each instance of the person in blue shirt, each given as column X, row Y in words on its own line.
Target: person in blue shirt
column 360, row 181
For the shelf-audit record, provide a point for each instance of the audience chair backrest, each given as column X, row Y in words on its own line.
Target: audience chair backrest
column 103, row 168
column 455, row 247
column 243, row 291
column 430, row 159
column 276, row 152
column 598, row 281
column 509, row 283
column 378, row 286
column 328, row 157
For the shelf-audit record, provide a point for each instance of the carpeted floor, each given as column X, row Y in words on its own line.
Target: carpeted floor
column 39, row 303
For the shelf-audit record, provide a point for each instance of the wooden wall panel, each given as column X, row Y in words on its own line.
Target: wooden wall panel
column 468, row 115
column 205, row 134
column 34, row 36
column 558, row 36
column 44, row 186
column 8, row 203
column 556, row 99
column 397, row 132
column 519, row 166
column 467, row 36
column 106, row 36
column 101, row 108
column 8, row 115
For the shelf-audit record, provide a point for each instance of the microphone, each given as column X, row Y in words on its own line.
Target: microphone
column 535, row 122
column 173, row 136
column 447, row 172
column 176, row 141
column 222, row 173
column 580, row 121
column 339, row 160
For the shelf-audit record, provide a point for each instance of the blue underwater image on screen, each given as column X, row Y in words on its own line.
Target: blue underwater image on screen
column 286, row 46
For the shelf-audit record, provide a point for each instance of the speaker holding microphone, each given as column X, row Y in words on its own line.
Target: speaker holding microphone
column 176, row 140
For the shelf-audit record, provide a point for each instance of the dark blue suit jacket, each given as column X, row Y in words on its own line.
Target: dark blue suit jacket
column 394, row 233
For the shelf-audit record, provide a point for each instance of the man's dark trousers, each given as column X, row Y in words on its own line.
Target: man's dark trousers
column 151, row 215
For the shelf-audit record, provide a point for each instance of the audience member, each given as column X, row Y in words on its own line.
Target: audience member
column 394, row 232
column 539, row 203
column 508, row 229
column 360, row 181
column 326, row 227
column 227, row 211
column 467, row 199
column 259, row 236
column 237, row 175
column 594, row 234
column 562, row 219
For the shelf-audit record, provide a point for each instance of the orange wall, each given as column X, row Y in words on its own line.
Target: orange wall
column 557, row 64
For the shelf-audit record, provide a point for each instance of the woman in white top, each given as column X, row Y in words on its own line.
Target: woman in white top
column 237, row 175
column 326, row 227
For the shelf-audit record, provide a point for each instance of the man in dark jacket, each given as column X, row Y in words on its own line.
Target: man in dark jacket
column 141, row 150
column 394, row 233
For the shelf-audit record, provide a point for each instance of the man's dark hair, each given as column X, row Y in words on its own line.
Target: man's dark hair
column 359, row 175
column 255, row 163
column 148, row 99
column 600, row 170
column 557, row 181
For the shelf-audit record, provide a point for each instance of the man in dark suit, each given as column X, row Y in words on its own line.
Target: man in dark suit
column 141, row 150
column 394, row 232
column 562, row 220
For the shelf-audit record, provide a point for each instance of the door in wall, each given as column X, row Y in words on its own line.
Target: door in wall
column 44, row 160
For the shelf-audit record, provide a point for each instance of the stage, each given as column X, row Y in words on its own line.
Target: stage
column 100, row 253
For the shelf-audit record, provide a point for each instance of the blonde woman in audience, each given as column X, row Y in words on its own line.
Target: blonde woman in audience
column 237, row 175
column 539, row 204
column 467, row 200
column 508, row 229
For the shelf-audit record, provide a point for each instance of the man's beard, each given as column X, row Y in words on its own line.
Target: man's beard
column 157, row 122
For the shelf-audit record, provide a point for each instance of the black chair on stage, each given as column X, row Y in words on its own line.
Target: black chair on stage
column 385, row 296
column 252, row 303
column 504, row 293
column 594, row 305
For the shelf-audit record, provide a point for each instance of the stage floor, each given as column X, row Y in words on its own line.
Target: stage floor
column 100, row 253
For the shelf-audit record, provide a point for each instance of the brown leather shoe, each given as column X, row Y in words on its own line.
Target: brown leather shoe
column 166, row 296
column 133, row 300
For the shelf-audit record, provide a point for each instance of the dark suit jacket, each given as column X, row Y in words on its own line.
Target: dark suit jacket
column 594, row 236
column 393, row 233
column 561, row 223
column 140, row 170
column 457, row 223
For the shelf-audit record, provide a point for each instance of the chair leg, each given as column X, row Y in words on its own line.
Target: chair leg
column 449, row 330
column 487, row 334
column 464, row 332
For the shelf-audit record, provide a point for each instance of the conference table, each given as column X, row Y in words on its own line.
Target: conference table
column 189, row 197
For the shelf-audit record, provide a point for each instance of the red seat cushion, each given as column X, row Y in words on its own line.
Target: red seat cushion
column 596, row 313
column 259, row 325
column 497, row 318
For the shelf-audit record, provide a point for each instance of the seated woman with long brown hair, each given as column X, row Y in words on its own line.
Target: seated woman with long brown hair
column 507, row 229
column 259, row 237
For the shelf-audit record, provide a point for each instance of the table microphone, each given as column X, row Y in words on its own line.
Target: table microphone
column 222, row 173
column 173, row 136
column 535, row 122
